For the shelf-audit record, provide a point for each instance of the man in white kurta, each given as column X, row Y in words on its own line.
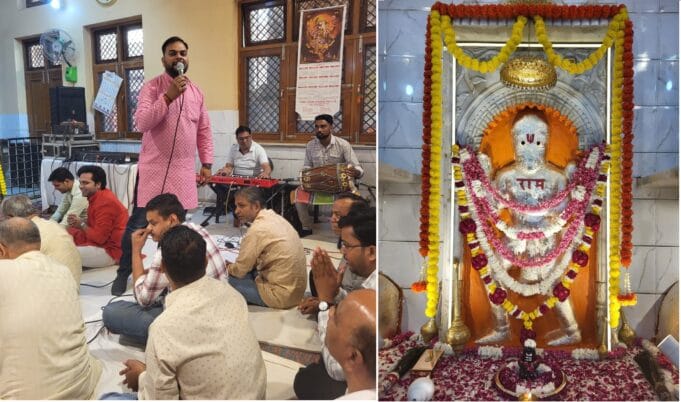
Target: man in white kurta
column 55, row 241
column 202, row 346
column 43, row 351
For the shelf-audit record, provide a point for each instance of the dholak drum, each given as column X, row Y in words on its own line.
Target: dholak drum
column 328, row 179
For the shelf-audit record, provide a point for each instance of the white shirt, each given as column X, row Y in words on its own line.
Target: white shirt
column 43, row 352
column 72, row 202
column 57, row 243
column 247, row 164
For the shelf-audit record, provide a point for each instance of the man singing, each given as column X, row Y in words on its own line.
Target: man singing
column 172, row 115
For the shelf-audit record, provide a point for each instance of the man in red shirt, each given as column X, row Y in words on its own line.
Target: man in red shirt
column 99, row 239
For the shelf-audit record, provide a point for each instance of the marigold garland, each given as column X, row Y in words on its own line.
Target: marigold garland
column 592, row 60
column 485, row 66
column 3, row 185
column 435, row 163
column 620, row 33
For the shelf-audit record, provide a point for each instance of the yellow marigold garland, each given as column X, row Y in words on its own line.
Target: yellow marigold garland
column 3, row 185
column 616, row 176
column 483, row 66
column 435, row 169
column 615, row 26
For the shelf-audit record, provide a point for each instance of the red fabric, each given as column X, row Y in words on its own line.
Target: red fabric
column 107, row 218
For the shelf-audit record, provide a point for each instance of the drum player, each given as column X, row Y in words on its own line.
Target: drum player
column 246, row 158
column 325, row 149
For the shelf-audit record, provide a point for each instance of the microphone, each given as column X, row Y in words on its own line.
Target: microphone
column 179, row 67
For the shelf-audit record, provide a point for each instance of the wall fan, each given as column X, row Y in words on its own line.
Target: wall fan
column 57, row 46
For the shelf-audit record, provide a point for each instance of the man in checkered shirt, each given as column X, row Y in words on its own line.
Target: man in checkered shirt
column 131, row 320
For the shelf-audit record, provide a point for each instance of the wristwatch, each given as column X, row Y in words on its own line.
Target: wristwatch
column 207, row 165
column 324, row 306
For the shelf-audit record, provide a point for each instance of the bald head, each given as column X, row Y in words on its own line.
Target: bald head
column 18, row 236
column 351, row 337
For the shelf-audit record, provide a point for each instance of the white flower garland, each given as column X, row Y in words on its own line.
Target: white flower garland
column 491, row 352
column 585, row 354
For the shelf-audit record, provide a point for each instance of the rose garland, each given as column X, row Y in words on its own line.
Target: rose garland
column 583, row 180
column 480, row 258
column 588, row 171
column 621, row 118
column 425, row 152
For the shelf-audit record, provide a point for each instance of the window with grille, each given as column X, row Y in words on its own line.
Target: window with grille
column 265, row 23
column 35, row 57
column 267, row 70
column 119, row 47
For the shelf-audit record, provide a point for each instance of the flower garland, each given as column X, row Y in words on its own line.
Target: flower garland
column 435, row 163
column 592, row 60
column 581, row 185
column 584, row 177
column 619, row 31
column 425, row 149
column 480, row 258
column 3, row 185
column 615, row 183
column 472, row 63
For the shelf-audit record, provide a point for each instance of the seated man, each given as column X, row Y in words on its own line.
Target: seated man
column 270, row 269
column 325, row 149
column 130, row 319
column 351, row 340
column 44, row 354
column 325, row 380
column 73, row 201
column 56, row 242
column 245, row 158
column 202, row 346
column 344, row 203
column 98, row 239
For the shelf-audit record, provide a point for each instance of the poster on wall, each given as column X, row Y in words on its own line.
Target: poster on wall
column 320, row 61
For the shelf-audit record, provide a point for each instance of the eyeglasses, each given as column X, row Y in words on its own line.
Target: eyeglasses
column 243, row 138
column 346, row 245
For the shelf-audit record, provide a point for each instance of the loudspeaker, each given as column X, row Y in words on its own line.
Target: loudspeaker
column 67, row 103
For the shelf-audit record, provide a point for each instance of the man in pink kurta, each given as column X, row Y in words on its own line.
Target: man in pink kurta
column 172, row 116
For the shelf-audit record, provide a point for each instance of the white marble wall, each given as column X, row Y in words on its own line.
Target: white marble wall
column 287, row 159
column 656, row 47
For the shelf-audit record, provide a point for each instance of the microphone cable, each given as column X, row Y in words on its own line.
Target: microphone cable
column 172, row 149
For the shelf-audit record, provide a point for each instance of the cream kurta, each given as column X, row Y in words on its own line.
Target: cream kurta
column 43, row 352
column 203, row 347
column 273, row 247
column 57, row 243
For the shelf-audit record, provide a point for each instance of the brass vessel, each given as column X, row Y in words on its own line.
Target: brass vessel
column 429, row 330
column 626, row 333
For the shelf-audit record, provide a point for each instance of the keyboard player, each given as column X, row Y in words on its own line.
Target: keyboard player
column 246, row 158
